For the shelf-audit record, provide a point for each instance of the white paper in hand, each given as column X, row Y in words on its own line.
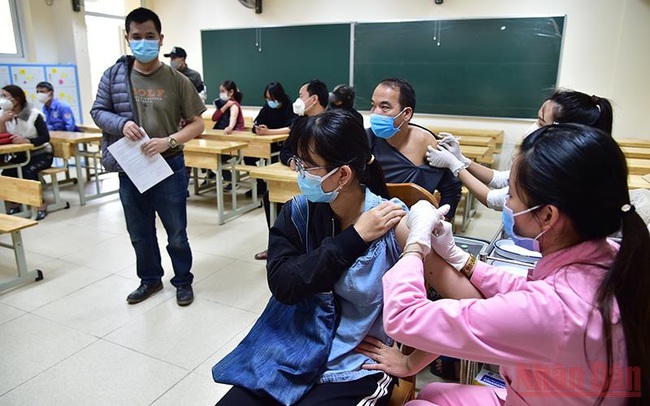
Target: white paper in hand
column 144, row 171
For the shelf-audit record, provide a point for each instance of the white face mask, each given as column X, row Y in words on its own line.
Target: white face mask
column 299, row 107
column 42, row 97
column 533, row 127
column 224, row 96
column 6, row 104
column 176, row 64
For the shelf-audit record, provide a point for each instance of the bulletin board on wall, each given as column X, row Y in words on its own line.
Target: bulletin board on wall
column 62, row 77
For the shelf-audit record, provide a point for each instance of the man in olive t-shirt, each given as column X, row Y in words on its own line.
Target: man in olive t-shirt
column 147, row 93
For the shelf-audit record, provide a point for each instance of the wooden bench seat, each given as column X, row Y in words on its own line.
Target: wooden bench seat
column 638, row 166
column 54, row 182
column 638, row 181
column 245, row 168
column 636, row 152
column 27, row 192
column 10, row 224
column 633, row 142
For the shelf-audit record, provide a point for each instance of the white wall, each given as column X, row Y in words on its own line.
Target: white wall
column 606, row 45
column 606, row 48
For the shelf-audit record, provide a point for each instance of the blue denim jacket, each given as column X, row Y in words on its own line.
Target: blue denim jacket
column 359, row 295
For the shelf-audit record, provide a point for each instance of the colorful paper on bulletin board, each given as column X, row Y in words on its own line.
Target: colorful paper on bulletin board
column 61, row 77
column 64, row 80
column 5, row 76
column 27, row 76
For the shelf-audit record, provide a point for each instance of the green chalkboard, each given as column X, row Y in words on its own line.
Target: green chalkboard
column 488, row 67
column 291, row 55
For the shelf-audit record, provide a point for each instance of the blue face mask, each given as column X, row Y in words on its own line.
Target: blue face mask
column 274, row 104
column 508, row 218
column 384, row 126
column 144, row 50
column 311, row 186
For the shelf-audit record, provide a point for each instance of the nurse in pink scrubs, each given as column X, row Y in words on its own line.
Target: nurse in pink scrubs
column 576, row 330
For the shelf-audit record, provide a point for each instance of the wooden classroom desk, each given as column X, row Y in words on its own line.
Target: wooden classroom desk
column 12, row 149
column 496, row 135
column 202, row 153
column 282, row 182
column 638, row 166
column 70, row 144
column 633, row 142
column 89, row 128
column 259, row 146
column 636, row 152
column 478, row 141
column 477, row 153
column 637, row 182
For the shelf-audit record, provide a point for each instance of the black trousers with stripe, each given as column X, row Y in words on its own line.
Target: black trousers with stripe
column 373, row 390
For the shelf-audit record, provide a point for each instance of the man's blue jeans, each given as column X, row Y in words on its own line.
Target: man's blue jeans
column 169, row 199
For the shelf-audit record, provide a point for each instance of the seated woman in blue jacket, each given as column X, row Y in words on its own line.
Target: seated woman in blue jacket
column 349, row 242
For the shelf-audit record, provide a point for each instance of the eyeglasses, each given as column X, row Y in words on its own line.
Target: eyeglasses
column 301, row 168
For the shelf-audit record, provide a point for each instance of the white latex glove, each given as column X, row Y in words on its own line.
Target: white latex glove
column 421, row 220
column 441, row 158
column 442, row 242
column 451, row 144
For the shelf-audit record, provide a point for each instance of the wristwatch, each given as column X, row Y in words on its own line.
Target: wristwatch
column 171, row 141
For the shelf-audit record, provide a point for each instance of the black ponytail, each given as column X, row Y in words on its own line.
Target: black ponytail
column 230, row 85
column 375, row 179
column 580, row 108
column 628, row 282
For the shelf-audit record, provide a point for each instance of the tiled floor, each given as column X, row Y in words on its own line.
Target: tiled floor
column 71, row 338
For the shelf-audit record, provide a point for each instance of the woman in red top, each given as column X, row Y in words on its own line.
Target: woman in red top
column 228, row 116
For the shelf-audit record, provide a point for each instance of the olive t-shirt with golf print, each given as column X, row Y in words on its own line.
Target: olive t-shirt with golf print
column 164, row 99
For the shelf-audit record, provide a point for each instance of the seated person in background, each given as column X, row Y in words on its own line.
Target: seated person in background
column 26, row 125
column 491, row 187
column 342, row 97
column 341, row 252
column 276, row 116
column 178, row 57
column 401, row 147
column 312, row 100
column 58, row 115
column 228, row 116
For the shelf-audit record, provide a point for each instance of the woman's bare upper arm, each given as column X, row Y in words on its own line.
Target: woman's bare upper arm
column 401, row 232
